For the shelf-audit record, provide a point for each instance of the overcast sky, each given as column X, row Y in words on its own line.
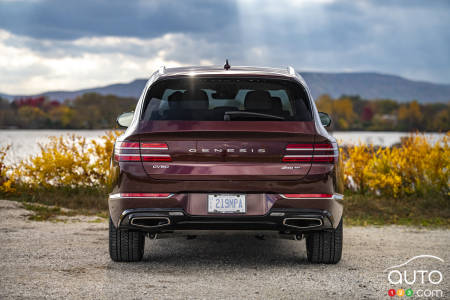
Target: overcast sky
column 67, row 45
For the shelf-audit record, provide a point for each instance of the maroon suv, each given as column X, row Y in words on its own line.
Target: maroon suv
column 237, row 148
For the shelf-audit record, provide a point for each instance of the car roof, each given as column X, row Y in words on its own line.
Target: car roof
column 219, row 70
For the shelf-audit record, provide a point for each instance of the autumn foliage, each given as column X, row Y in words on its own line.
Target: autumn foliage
column 88, row 111
column 355, row 113
column 67, row 161
column 417, row 167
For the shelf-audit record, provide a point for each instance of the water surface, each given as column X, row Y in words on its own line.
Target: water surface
column 25, row 142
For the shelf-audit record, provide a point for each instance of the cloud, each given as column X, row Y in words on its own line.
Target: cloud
column 68, row 20
column 86, row 62
column 72, row 44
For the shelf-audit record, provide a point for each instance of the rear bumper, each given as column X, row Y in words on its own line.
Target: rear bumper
column 188, row 212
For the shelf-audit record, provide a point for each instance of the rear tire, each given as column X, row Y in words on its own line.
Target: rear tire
column 125, row 245
column 325, row 247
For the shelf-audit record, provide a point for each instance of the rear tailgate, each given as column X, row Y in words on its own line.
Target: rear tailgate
column 224, row 150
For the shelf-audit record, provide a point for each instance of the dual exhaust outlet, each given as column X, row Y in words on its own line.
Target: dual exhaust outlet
column 156, row 222
column 150, row 222
column 303, row 223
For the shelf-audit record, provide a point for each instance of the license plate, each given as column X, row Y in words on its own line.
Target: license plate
column 226, row 203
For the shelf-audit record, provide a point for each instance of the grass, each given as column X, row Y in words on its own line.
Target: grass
column 48, row 204
column 45, row 213
column 359, row 210
column 430, row 211
column 85, row 200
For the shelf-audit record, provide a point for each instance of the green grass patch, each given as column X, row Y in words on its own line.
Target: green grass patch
column 428, row 211
column 42, row 212
column 45, row 213
column 47, row 204
column 88, row 201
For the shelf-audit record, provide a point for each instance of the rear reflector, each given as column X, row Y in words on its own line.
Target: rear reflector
column 145, row 195
column 305, row 196
column 145, row 151
column 156, row 157
column 297, row 158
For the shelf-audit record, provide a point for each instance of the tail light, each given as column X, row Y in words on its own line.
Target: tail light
column 313, row 153
column 141, row 151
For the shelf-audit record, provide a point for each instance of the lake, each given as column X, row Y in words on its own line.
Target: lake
column 25, row 142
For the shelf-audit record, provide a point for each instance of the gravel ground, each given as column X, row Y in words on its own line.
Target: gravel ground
column 70, row 260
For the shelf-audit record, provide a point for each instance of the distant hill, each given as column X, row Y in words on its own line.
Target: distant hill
column 375, row 86
column 132, row 89
column 366, row 85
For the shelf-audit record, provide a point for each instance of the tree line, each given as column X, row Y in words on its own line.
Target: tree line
column 355, row 113
column 95, row 111
column 89, row 111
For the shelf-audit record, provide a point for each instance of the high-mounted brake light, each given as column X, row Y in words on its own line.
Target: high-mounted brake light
column 315, row 153
column 144, row 151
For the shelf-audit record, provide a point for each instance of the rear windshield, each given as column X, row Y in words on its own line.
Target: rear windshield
column 226, row 99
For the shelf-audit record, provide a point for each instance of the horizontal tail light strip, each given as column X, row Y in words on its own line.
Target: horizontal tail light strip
column 145, row 157
column 306, row 196
column 154, row 146
column 312, row 153
column 323, row 146
column 309, row 147
column 127, row 157
column 141, row 195
column 308, row 158
column 131, row 145
column 300, row 147
column 136, row 145
column 135, row 151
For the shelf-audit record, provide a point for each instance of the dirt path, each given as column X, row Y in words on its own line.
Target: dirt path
column 70, row 260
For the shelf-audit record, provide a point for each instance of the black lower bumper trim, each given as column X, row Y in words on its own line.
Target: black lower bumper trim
column 276, row 220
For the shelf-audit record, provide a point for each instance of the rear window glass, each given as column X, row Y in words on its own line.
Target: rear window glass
column 226, row 99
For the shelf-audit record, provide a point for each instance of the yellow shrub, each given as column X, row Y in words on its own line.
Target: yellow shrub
column 68, row 161
column 355, row 166
column 416, row 167
column 5, row 181
column 381, row 172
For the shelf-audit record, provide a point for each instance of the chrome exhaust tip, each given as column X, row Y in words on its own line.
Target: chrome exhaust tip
column 150, row 222
column 303, row 223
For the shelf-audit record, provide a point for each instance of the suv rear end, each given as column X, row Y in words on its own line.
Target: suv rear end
column 226, row 149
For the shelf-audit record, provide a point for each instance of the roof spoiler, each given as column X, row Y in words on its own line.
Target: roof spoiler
column 291, row 70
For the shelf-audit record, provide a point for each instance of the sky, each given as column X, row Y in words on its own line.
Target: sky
column 48, row 45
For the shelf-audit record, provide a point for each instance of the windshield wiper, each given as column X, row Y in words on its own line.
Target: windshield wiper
column 229, row 114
